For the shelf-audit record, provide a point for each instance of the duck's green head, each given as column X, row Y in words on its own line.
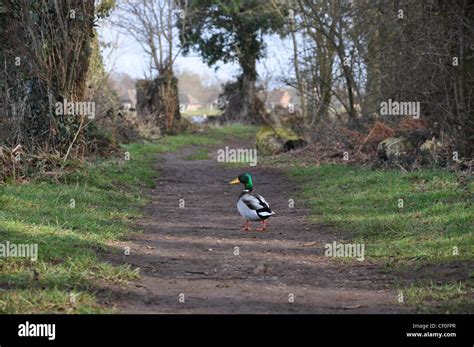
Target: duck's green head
column 245, row 179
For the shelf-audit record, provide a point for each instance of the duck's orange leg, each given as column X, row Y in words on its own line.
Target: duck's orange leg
column 264, row 226
column 246, row 226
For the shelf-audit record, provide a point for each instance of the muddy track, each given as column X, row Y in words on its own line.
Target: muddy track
column 200, row 254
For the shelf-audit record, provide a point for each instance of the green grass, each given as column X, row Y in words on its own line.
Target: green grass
column 445, row 298
column 235, row 131
column 434, row 220
column 218, row 135
column 72, row 221
column 199, row 154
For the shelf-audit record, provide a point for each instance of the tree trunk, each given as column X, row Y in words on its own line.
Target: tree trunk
column 164, row 102
column 243, row 104
column 52, row 40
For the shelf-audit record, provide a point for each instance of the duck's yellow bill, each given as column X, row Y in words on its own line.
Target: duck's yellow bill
column 236, row 181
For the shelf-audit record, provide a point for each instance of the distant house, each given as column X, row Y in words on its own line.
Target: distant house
column 129, row 99
column 282, row 98
column 278, row 97
column 190, row 102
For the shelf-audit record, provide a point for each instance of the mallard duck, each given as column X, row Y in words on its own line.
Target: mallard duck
column 252, row 207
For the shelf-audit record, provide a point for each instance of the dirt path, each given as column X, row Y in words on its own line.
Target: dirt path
column 192, row 251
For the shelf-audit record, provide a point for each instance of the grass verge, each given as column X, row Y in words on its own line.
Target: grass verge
column 418, row 224
column 72, row 221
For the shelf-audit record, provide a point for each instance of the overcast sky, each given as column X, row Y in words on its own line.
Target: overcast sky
column 128, row 57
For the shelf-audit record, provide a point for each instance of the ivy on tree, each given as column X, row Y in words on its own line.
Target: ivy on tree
column 232, row 32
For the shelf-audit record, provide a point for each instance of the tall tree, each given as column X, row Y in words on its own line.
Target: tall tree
column 152, row 23
column 232, row 31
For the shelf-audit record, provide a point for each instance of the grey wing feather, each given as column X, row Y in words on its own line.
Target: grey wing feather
column 252, row 202
column 263, row 202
